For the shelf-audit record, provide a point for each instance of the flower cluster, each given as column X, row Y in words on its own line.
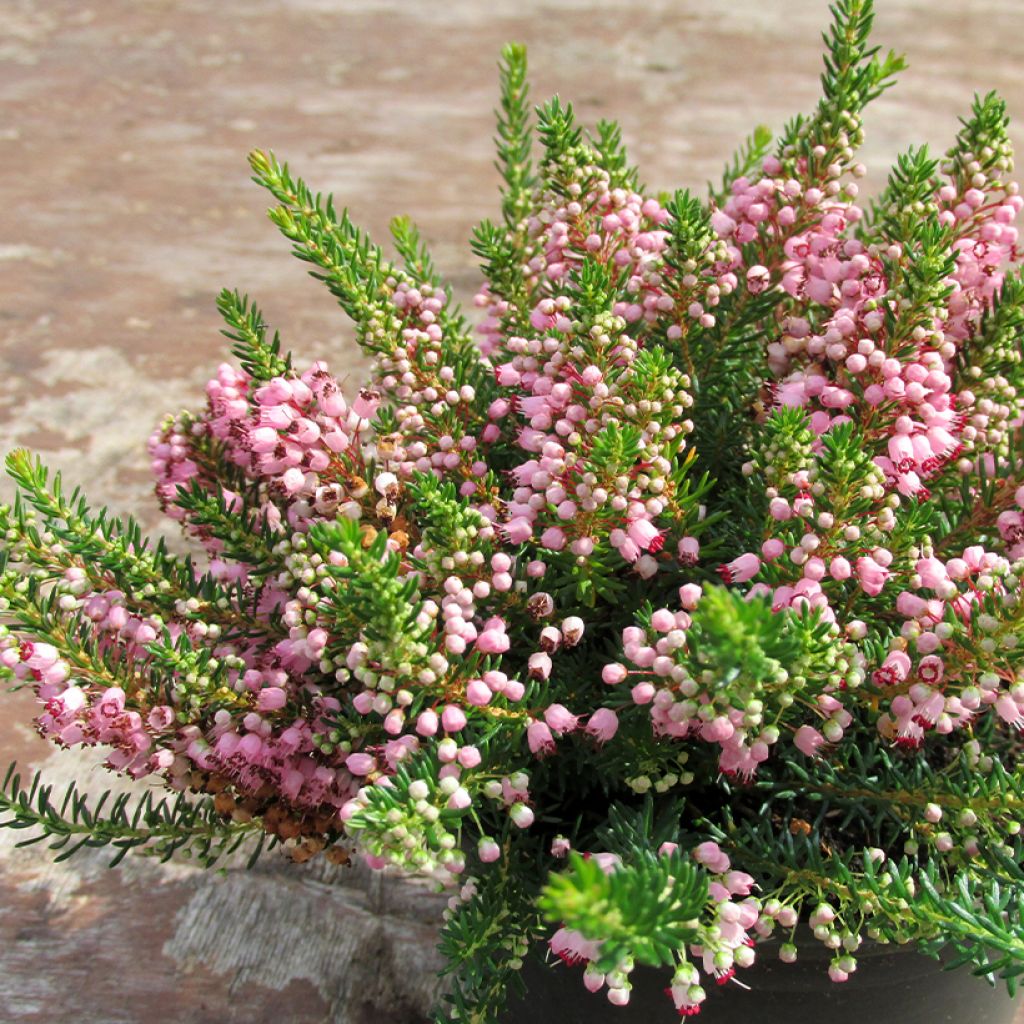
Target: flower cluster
column 703, row 552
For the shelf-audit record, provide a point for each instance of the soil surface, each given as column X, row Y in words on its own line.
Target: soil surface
column 124, row 126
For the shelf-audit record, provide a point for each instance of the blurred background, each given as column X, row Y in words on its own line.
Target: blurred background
column 126, row 204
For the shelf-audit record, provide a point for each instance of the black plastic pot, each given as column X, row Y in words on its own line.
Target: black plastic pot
column 892, row 985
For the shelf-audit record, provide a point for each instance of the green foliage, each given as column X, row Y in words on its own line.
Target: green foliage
column 995, row 350
column 260, row 358
column 353, row 267
column 562, row 140
column 854, row 75
column 646, row 909
column 413, row 250
column 344, row 258
column 734, row 636
column 514, row 141
column 921, row 845
column 980, row 919
column 244, row 538
column 612, row 156
column 501, row 262
column 115, row 549
column 373, row 600
column 920, row 283
column 161, row 828
column 983, row 140
column 690, row 230
column 411, row 831
column 448, row 523
column 484, row 941
column 907, row 197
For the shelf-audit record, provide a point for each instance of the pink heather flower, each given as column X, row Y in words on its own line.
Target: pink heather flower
column 688, row 550
column 367, row 403
column 808, row 740
column 711, row 855
column 469, row 756
column 645, row 535
column 459, row 800
column 272, row 698
column 426, row 722
column 894, row 670
column 628, row 549
column 871, row 575
column 518, row 530
column 550, row 639
column 572, row 948
column 739, row 883
column 560, row 846
column 689, row 595
column 363, row 702
column 39, row 656
column 603, row 725
column 540, row 739
column 560, row 718
column 663, row 620
column 293, row 480
column 360, row 764
column 553, row 538
column 572, row 630
column 839, row 568
column 607, row 862
column 643, row 693
column 1009, row 711
column 493, row 639
column 932, row 572
column 741, row 569
column 539, row 665
column 513, row 690
column 159, row 718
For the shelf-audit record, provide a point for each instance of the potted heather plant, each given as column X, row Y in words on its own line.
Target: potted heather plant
column 673, row 622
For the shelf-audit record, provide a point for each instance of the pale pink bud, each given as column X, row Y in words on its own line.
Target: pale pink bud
column 521, row 815
column 613, row 674
column 453, row 718
column 360, row 764
column 426, row 723
column 478, row 693
column 488, row 850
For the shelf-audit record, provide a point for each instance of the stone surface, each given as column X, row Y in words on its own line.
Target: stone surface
column 123, row 131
